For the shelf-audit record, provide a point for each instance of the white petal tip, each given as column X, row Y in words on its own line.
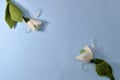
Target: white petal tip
column 79, row 57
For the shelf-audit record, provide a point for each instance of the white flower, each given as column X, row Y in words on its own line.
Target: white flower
column 86, row 56
column 34, row 25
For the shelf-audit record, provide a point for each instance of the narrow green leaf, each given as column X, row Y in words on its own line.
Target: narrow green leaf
column 15, row 12
column 82, row 51
column 8, row 19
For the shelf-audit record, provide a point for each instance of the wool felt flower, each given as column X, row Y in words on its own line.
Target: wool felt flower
column 102, row 67
column 34, row 24
column 86, row 55
column 14, row 14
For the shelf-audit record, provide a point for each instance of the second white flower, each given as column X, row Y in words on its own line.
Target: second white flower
column 86, row 56
column 34, row 25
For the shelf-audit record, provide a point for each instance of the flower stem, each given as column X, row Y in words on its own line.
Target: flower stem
column 92, row 61
column 26, row 19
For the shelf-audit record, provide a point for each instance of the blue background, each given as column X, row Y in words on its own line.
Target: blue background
column 49, row 54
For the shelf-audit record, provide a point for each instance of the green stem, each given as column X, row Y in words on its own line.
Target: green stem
column 26, row 19
column 92, row 61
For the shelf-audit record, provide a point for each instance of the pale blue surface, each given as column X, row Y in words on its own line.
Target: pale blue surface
column 49, row 55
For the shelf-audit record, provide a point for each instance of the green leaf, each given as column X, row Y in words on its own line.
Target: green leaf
column 82, row 51
column 15, row 12
column 8, row 19
column 7, row 0
column 103, row 68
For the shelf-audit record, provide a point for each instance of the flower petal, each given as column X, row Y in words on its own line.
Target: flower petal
column 87, row 48
column 31, row 25
column 37, row 14
column 36, row 22
column 83, row 58
column 87, row 57
column 80, row 57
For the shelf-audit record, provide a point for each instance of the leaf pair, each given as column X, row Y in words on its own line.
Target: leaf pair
column 12, row 14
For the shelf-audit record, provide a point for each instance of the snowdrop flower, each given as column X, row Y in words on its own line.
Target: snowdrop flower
column 86, row 55
column 34, row 25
